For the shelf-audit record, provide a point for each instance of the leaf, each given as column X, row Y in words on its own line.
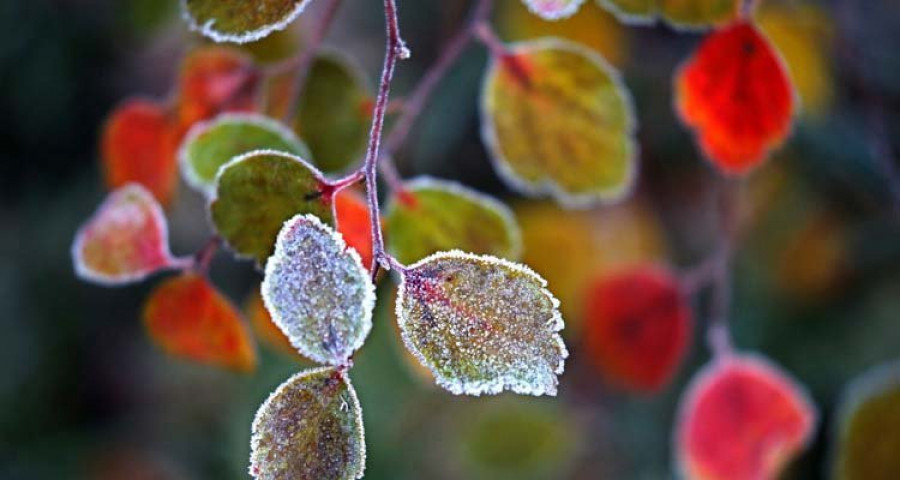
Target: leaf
column 188, row 318
column 334, row 114
column 318, row 291
column 214, row 80
column 240, row 21
column 736, row 96
column 138, row 146
column 868, row 432
column 639, row 326
column 265, row 329
column 257, row 192
column 741, row 418
column 553, row 9
column 557, row 120
column 482, row 324
column 309, row 428
column 125, row 240
column 433, row 215
column 688, row 14
column 209, row 145
column 354, row 222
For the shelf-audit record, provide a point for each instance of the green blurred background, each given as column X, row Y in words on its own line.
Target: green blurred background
column 83, row 393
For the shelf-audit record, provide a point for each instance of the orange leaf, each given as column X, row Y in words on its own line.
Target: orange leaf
column 735, row 93
column 354, row 223
column 138, row 145
column 187, row 317
column 215, row 80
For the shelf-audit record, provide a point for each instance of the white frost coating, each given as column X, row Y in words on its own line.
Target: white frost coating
column 114, row 213
column 553, row 9
column 485, row 362
column 318, row 291
column 208, row 29
column 263, row 122
column 637, row 19
column 504, row 212
column 355, row 470
column 548, row 186
column 708, row 373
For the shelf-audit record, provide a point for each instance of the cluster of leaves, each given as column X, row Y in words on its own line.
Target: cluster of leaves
column 557, row 121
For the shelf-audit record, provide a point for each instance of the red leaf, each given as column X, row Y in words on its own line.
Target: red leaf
column 638, row 327
column 354, row 223
column 187, row 317
column 138, row 145
column 735, row 93
column 741, row 419
column 216, row 80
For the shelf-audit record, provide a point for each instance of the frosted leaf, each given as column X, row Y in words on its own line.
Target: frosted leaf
column 680, row 14
column 433, row 215
column 240, row 21
column 318, row 291
column 125, row 240
column 553, row 9
column 209, row 145
column 482, row 324
column 309, row 428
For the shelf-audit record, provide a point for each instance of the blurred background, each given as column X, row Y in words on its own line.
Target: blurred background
column 84, row 394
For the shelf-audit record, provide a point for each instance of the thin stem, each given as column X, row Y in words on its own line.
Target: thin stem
column 204, row 257
column 718, row 334
column 395, row 50
column 489, row 38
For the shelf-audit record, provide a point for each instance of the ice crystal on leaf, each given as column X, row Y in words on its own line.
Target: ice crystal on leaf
column 318, row 291
column 553, row 9
column 240, row 21
column 482, row 324
column 682, row 14
column 309, row 428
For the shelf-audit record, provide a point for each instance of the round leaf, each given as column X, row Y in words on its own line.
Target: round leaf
column 309, row 428
column 210, row 145
column 124, row 241
column 257, row 192
column 318, row 291
column 240, row 21
column 432, row 215
column 215, row 80
column 678, row 13
column 553, row 9
column 557, row 120
column 482, row 324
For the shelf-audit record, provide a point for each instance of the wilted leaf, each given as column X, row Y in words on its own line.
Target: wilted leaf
column 138, row 145
column 432, row 215
column 639, row 326
column 736, row 96
column 309, row 428
column 214, row 80
column 124, row 241
column 210, row 145
column 868, row 434
column 482, row 324
column 354, row 222
column 257, row 192
column 553, row 9
column 187, row 317
column 741, row 419
column 318, row 291
column 334, row 113
column 678, row 13
column 240, row 21
column 558, row 120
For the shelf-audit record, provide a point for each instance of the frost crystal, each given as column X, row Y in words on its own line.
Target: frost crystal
column 309, row 428
column 318, row 291
column 553, row 9
column 482, row 324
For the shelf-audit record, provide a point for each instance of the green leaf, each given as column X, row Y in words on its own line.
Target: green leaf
column 257, row 192
column 433, row 215
column 481, row 324
column 318, row 291
column 209, row 145
column 240, row 21
column 309, row 428
column 557, row 120
column 334, row 113
column 678, row 13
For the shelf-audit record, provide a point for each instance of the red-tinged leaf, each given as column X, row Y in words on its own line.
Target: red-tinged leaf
column 138, row 145
column 638, row 327
column 742, row 418
column 188, row 318
column 736, row 95
column 216, row 80
column 124, row 241
column 354, row 223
